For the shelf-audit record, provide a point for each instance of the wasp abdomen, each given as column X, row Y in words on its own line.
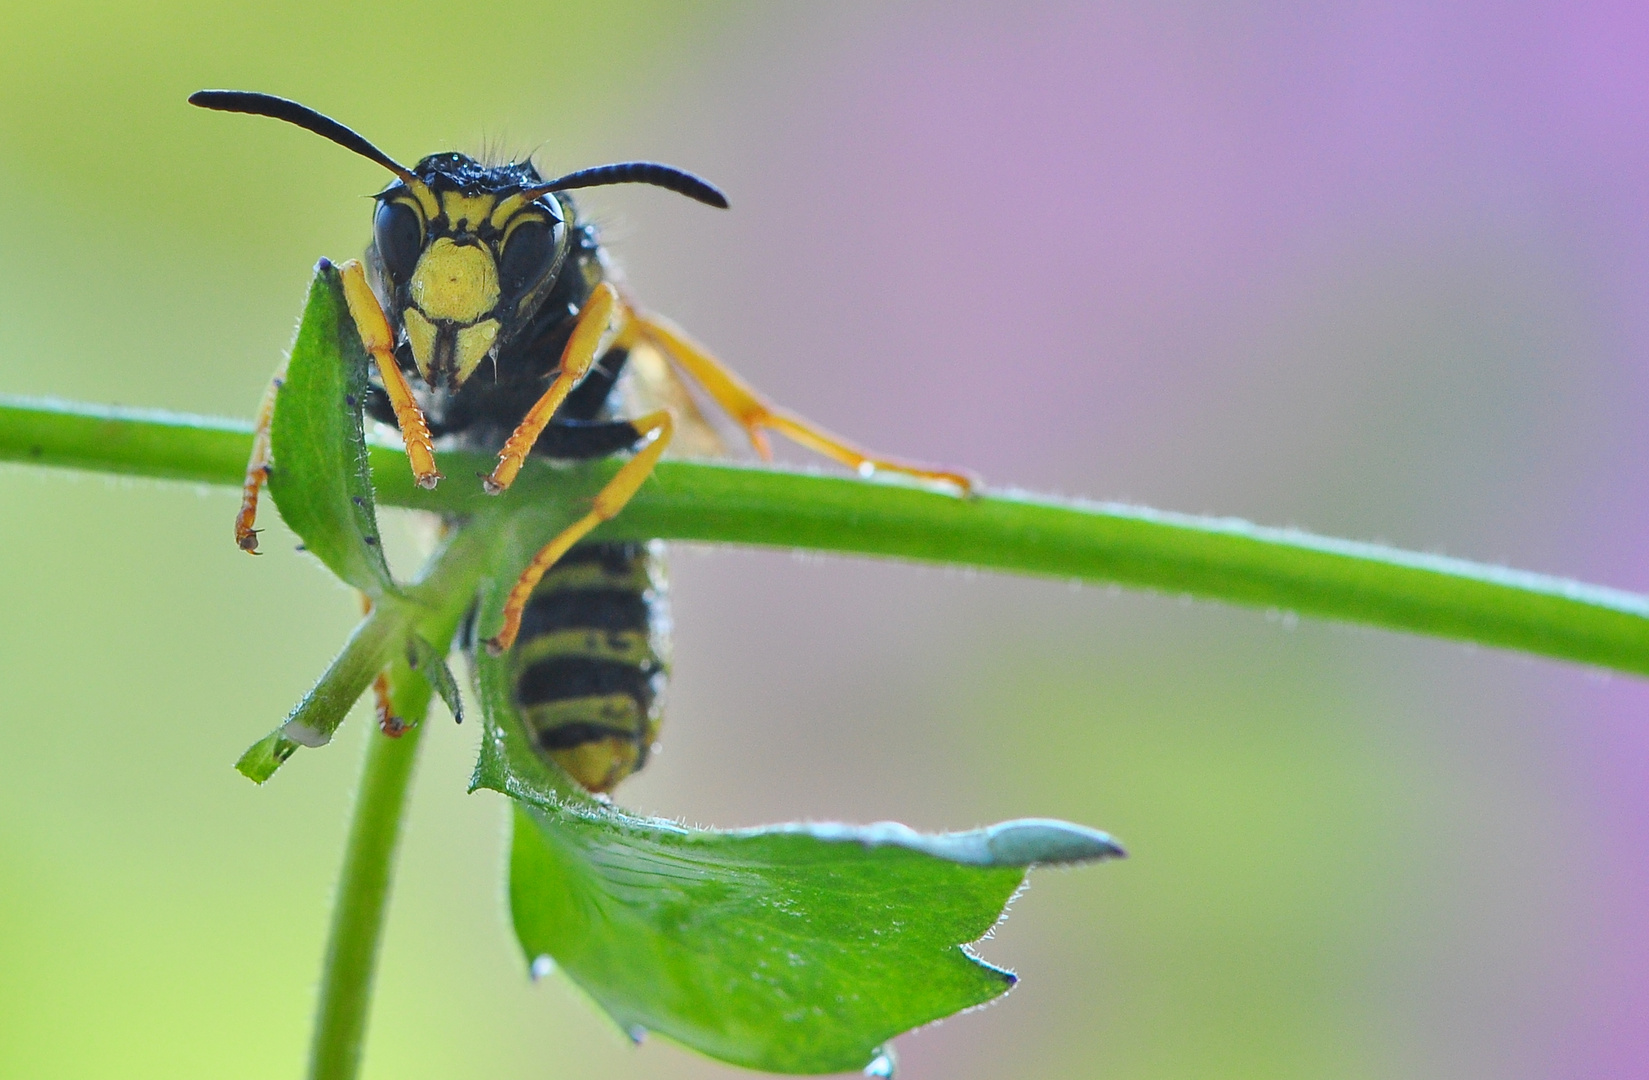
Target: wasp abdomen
column 589, row 666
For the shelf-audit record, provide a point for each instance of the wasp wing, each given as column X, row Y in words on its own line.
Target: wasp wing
column 651, row 382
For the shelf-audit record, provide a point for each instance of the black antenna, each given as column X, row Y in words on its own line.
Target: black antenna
column 247, row 101
column 640, row 172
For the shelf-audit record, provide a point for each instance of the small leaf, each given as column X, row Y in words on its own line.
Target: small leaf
column 795, row 949
column 314, row 719
column 321, row 480
column 266, row 755
column 427, row 659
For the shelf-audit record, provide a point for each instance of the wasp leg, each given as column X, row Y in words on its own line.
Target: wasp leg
column 379, row 340
column 257, row 466
column 758, row 416
column 388, row 722
column 608, row 502
column 601, row 323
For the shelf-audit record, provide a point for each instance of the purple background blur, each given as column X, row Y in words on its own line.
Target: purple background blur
column 1375, row 270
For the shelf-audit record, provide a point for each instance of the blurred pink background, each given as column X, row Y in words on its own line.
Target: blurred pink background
column 1374, row 270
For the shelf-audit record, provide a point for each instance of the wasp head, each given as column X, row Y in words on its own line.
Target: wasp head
column 465, row 254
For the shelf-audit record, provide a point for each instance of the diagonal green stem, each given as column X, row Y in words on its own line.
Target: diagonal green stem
column 1219, row 559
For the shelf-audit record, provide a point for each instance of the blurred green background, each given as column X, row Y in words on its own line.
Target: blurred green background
column 1370, row 273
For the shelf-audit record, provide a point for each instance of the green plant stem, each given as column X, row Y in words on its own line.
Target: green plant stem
column 360, row 905
column 349, row 674
column 1221, row 559
column 375, row 826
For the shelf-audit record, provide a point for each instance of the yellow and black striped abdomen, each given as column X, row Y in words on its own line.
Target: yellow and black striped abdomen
column 588, row 670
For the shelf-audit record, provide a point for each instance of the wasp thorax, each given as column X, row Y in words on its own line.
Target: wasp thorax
column 452, row 290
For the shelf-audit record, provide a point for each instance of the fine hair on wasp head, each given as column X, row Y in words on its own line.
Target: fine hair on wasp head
column 469, row 250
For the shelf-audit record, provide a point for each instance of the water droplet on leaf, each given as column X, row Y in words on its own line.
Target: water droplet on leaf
column 541, row 966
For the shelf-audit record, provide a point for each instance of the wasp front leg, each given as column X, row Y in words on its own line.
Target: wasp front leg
column 378, row 338
column 602, row 322
column 608, row 502
column 758, row 416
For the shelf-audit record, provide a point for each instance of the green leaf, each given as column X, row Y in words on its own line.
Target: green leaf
column 322, row 482
column 794, row 949
column 428, row 661
column 321, row 479
column 314, row 719
column 266, row 755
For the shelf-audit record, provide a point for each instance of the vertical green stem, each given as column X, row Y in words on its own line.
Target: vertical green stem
column 363, row 889
column 445, row 586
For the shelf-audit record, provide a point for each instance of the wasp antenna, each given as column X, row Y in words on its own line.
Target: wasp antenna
column 247, row 101
column 641, row 172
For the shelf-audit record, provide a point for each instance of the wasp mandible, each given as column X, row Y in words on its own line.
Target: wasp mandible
column 496, row 322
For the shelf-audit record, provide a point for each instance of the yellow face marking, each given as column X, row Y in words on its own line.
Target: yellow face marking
column 474, row 342
column 455, row 282
column 421, row 336
column 507, row 209
column 465, row 213
column 427, row 204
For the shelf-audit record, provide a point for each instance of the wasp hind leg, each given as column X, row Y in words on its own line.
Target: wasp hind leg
column 758, row 416
column 608, row 502
column 379, row 341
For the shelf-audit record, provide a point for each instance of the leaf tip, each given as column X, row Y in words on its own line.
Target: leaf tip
column 1047, row 842
column 266, row 755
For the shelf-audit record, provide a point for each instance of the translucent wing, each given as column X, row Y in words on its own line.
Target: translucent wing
column 650, row 382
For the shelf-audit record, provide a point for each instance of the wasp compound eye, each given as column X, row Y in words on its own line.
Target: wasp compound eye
column 528, row 252
column 399, row 237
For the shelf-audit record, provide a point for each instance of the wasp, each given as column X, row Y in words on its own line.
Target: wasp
column 496, row 322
